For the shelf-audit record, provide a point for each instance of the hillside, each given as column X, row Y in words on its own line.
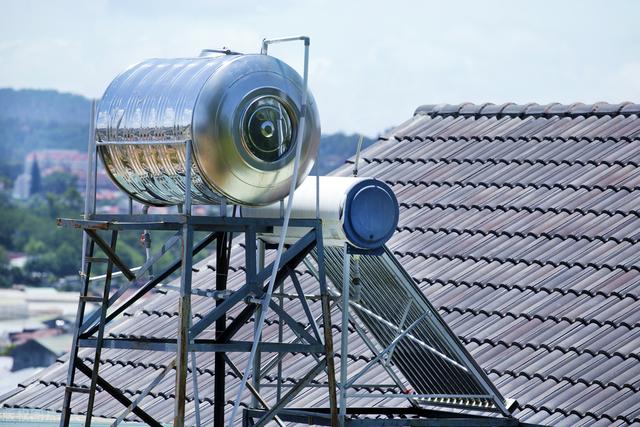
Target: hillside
column 38, row 119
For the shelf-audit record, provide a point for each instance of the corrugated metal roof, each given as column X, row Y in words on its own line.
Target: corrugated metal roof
column 519, row 223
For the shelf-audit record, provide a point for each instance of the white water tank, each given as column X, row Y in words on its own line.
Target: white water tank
column 360, row 211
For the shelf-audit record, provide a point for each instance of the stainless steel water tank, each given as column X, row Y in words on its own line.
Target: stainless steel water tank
column 241, row 112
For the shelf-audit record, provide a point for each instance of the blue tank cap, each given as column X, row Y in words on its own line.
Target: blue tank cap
column 370, row 214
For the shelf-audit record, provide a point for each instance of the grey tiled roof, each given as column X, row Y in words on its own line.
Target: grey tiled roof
column 519, row 223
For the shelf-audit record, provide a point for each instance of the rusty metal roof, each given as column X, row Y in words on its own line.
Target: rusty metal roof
column 518, row 222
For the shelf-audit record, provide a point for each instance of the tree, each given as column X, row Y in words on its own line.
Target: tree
column 36, row 184
column 5, row 270
column 59, row 182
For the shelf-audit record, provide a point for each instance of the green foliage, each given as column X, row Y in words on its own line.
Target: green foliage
column 35, row 119
column 58, row 182
column 336, row 148
column 38, row 119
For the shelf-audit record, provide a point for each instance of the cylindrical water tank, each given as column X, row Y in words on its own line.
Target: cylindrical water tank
column 361, row 211
column 241, row 112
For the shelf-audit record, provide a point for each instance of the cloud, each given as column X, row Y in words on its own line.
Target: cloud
column 372, row 63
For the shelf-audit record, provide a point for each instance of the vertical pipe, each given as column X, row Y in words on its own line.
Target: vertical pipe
column 184, row 309
column 259, row 248
column 184, row 319
column 196, row 391
column 344, row 336
column 187, row 179
column 280, row 338
column 87, row 251
column 90, row 186
column 285, row 225
column 326, row 326
column 146, row 241
column 356, row 163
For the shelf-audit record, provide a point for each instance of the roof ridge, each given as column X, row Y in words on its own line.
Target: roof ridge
column 502, row 315
column 504, row 161
column 521, row 185
column 511, row 109
column 503, row 208
column 572, row 264
column 570, row 380
column 506, row 138
column 581, row 415
column 549, row 348
column 548, row 291
column 510, row 234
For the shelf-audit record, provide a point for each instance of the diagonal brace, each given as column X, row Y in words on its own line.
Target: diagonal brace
column 144, row 393
column 106, row 248
column 253, row 391
column 244, row 316
column 220, row 310
column 305, row 304
column 293, row 324
column 165, row 248
column 292, row 393
column 147, row 287
column 389, row 348
column 117, row 394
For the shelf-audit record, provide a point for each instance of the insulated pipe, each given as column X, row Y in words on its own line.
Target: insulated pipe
column 360, row 211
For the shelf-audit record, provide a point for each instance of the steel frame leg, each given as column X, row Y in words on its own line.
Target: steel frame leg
column 222, row 271
column 87, row 252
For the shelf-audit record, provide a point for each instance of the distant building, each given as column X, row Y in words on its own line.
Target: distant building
column 73, row 162
column 21, row 186
column 39, row 352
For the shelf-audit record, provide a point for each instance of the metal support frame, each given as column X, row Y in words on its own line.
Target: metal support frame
column 92, row 331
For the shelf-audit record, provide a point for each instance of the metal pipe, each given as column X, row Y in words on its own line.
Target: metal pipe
column 187, row 179
column 390, row 347
column 87, row 251
column 344, row 336
column 224, row 51
column 357, row 285
column 420, row 396
column 184, row 320
column 257, row 361
column 196, row 391
column 357, row 159
column 146, row 241
column 144, row 393
column 307, row 42
column 114, row 274
column 267, row 42
column 280, row 338
column 285, row 225
column 90, row 187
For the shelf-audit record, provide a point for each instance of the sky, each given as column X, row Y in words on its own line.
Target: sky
column 372, row 63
